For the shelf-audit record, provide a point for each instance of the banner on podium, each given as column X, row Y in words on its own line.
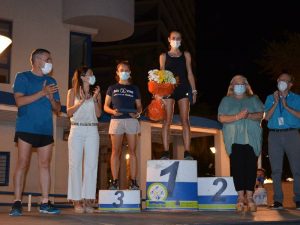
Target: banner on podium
column 171, row 185
column 216, row 193
column 119, row 200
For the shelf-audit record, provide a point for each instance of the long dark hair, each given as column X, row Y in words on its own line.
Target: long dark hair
column 77, row 81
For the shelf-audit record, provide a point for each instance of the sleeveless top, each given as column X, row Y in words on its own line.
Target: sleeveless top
column 85, row 113
column 177, row 65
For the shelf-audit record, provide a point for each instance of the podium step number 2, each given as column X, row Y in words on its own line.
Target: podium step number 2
column 216, row 193
column 119, row 200
column 171, row 185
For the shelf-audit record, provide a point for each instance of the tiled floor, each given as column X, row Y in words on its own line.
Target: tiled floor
column 262, row 217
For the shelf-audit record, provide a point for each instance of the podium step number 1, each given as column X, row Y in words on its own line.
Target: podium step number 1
column 171, row 185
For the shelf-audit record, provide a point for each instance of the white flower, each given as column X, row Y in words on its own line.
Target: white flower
column 173, row 80
column 161, row 76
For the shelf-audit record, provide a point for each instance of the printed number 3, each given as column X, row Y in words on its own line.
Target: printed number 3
column 120, row 198
column 217, row 197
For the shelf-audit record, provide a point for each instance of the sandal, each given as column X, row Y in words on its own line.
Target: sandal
column 240, row 205
column 78, row 208
column 251, row 205
column 88, row 205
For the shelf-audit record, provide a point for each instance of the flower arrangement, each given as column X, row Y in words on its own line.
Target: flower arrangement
column 161, row 76
column 161, row 84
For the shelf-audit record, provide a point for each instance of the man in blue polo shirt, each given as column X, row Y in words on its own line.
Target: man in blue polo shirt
column 282, row 111
column 36, row 96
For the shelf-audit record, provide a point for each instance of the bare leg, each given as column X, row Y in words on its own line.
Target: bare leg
column 250, row 201
column 24, row 154
column 44, row 158
column 241, row 201
column 116, row 142
column 184, row 111
column 131, row 139
column 169, row 107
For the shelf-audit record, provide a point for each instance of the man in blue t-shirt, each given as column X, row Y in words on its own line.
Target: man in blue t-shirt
column 282, row 110
column 36, row 95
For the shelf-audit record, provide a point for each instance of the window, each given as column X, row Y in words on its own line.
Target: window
column 6, row 30
column 80, row 52
column 4, row 168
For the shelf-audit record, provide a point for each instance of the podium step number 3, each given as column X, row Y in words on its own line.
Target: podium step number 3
column 119, row 200
column 216, row 193
column 171, row 185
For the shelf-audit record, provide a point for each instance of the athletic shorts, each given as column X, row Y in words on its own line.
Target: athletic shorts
column 36, row 140
column 124, row 126
column 180, row 92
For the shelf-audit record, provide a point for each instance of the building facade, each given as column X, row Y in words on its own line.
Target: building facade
column 66, row 28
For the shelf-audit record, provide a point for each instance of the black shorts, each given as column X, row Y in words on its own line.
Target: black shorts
column 180, row 92
column 36, row 140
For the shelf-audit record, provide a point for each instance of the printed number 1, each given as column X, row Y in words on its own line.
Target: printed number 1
column 172, row 170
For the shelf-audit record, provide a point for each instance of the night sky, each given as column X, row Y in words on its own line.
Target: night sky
column 231, row 36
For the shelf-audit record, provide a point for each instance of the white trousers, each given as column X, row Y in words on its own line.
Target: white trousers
column 83, row 144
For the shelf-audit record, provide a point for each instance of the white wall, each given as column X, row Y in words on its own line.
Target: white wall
column 37, row 24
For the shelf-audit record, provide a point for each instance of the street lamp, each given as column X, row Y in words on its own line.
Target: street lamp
column 4, row 42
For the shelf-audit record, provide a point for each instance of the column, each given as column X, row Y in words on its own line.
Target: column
column 143, row 154
column 222, row 165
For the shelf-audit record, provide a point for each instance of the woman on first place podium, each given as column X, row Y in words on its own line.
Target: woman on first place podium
column 241, row 113
column 179, row 63
column 123, row 102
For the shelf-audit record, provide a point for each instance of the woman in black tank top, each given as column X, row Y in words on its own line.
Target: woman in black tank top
column 179, row 63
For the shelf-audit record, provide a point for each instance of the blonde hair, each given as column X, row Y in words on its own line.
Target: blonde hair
column 249, row 91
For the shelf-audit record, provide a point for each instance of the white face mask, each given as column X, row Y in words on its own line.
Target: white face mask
column 47, row 68
column 92, row 80
column 175, row 43
column 282, row 85
column 239, row 89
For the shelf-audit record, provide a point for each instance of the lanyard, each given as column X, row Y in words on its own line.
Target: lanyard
column 281, row 108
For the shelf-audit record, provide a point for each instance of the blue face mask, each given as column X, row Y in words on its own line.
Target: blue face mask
column 260, row 179
column 239, row 89
column 124, row 75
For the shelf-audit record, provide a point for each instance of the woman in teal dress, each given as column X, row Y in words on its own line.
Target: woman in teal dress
column 241, row 112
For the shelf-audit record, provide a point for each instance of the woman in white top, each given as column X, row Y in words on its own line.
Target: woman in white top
column 83, row 108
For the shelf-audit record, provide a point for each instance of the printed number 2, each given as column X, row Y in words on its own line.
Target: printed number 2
column 172, row 170
column 217, row 197
column 120, row 198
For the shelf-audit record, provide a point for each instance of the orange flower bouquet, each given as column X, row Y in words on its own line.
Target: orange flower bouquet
column 161, row 84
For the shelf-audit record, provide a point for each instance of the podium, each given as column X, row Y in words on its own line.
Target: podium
column 171, row 185
column 216, row 193
column 119, row 200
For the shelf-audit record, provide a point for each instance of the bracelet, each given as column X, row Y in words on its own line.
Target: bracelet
column 236, row 118
column 194, row 92
column 138, row 115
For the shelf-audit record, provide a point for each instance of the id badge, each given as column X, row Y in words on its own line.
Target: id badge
column 280, row 121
